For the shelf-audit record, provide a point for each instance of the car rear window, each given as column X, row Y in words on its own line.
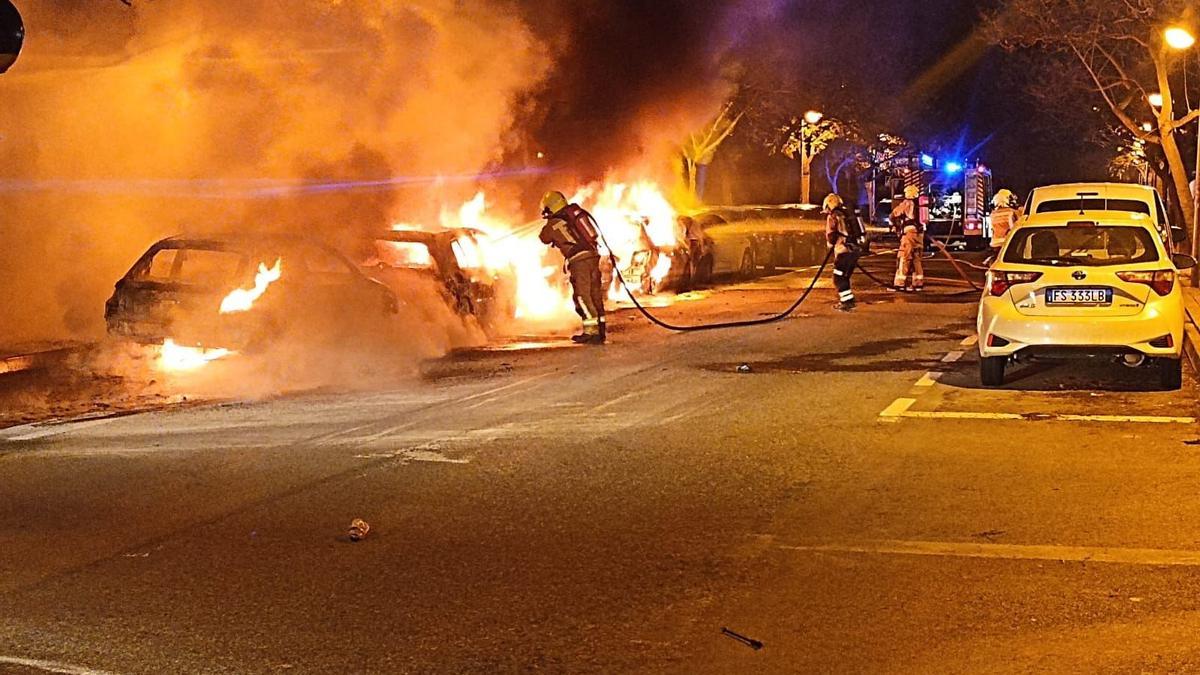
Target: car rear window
column 1093, row 204
column 202, row 267
column 1085, row 245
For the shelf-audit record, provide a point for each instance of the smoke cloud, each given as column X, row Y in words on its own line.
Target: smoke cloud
column 125, row 125
column 328, row 117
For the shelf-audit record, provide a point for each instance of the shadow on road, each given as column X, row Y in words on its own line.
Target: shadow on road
column 1099, row 374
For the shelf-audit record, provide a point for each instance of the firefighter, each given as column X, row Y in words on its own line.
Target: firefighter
column 1004, row 218
column 904, row 211
column 572, row 231
column 908, row 261
column 845, row 239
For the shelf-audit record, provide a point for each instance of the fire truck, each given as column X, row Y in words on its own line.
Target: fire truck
column 954, row 201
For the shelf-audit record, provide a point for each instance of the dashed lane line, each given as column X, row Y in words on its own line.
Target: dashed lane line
column 898, row 408
column 955, row 549
column 929, row 379
column 953, row 357
column 970, row 341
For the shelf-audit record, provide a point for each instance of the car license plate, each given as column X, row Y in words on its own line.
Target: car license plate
column 1079, row 296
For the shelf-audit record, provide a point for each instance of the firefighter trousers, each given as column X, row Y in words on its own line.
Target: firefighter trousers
column 843, row 267
column 588, row 291
column 910, row 265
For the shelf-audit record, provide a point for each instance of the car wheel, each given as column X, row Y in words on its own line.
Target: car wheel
column 991, row 370
column 747, row 269
column 1170, row 374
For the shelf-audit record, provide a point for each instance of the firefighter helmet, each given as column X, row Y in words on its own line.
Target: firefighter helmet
column 832, row 201
column 553, row 202
column 1004, row 198
column 911, row 192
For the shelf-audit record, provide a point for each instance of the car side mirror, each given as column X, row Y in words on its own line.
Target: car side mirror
column 1183, row 261
column 12, row 34
column 1178, row 234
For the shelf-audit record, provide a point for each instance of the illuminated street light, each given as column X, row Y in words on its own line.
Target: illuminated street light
column 811, row 118
column 1146, row 126
column 1155, row 99
column 1179, row 38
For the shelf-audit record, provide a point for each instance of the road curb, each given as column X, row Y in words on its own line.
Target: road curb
column 22, row 362
column 1191, row 327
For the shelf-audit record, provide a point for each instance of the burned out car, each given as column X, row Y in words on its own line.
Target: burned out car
column 452, row 261
column 239, row 292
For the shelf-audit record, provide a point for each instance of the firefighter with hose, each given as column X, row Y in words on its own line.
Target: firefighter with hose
column 845, row 237
column 572, row 230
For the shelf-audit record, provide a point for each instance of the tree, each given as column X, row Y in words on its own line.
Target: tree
column 700, row 148
column 1108, row 54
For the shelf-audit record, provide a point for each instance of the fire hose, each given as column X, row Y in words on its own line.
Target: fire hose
column 724, row 324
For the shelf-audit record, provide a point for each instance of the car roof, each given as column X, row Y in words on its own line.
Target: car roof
column 427, row 235
column 234, row 241
column 1103, row 190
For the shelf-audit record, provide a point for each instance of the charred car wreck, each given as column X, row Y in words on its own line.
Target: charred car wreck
column 241, row 293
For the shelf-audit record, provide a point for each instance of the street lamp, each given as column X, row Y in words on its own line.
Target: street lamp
column 811, row 118
column 1180, row 38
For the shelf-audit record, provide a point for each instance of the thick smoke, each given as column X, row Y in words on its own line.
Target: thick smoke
column 328, row 117
column 632, row 79
column 124, row 125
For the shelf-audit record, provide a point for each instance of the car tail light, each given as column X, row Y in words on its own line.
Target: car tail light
column 997, row 341
column 1162, row 281
column 1002, row 281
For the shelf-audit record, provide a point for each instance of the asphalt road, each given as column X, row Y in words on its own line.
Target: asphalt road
column 856, row 503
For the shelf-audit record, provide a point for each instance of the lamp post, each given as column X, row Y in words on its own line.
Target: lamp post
column 1181, row 39
column 811, row 118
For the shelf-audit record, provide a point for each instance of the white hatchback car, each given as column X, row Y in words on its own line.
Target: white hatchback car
column 1101, row 283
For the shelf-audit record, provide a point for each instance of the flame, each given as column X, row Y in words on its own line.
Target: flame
column 515, row 251
column 633, row 217
column 178, row 358
column 242, row 299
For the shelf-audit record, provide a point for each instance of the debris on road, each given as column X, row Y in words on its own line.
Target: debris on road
column 749, row 642
column 745, row 368
column 358, row 529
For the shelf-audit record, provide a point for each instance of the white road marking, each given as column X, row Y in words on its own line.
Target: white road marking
column 952, row 357
column 971, row 341
column 955, row 549
column 1045, row 417
column 620, row 399
column 31, row 432
column 898, row 408
column 426, row 453
column 51, row 666
column 929, row 379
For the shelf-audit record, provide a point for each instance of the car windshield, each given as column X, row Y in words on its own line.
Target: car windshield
column 1093, row 204
column 1085, row 245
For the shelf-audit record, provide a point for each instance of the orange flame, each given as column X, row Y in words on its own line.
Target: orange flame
column 178, row 358
column 242, row 299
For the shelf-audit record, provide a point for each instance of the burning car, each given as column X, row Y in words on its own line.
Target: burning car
column 454, row 259
column 217, row 294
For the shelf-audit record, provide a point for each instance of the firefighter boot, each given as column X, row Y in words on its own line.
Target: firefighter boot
column 601, row 334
